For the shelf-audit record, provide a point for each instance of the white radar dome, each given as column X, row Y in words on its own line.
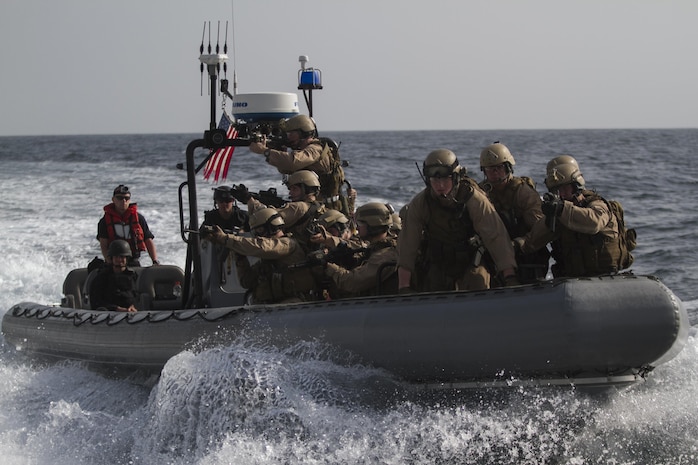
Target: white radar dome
column 265, row 106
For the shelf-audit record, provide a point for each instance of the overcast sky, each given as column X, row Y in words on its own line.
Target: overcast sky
column 131, row 66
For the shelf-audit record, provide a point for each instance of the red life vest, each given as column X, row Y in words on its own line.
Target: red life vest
column 129, row 218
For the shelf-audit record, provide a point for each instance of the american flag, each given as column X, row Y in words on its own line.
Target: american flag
column 219, row 162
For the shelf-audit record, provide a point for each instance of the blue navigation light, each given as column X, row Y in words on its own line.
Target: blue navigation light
column 310, row 79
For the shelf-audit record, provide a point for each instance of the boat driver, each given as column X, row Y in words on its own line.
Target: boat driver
column 122, row 220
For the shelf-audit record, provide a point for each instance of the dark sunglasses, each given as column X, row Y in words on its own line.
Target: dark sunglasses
column 122, row 197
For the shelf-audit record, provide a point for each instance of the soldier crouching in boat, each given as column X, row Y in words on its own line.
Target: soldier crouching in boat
column 519, row 206
column 445, row 222
column 375, row 274
column 272, row 279
column 303, row 187
column 588, row 238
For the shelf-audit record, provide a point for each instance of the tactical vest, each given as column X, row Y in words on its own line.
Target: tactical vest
column 530, row 267
column 277, row 282
column 578, row 254
column 449, row 231
column 238, row 220
column 504, row 202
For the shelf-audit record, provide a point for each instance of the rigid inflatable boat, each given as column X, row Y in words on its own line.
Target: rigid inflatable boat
column 597, row 331
column 594, row 331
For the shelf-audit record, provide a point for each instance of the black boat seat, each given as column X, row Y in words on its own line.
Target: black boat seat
column 73, row 288
column 156, row 286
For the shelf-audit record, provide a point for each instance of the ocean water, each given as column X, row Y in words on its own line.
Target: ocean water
column 248, row 403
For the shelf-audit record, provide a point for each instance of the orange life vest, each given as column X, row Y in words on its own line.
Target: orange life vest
column 129, row 218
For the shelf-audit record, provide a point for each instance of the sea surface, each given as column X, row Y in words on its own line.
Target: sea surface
column 250, row 404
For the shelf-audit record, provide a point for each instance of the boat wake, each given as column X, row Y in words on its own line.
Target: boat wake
column 247, row 403
column 249, row 389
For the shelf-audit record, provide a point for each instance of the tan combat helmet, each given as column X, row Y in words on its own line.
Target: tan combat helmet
column 441, row 163
column 561, row 160
column 300, row 123
column 334, row 218
column 376, row 215
column 306, row 178
column 566, row 173
column 496, row 154
column 267, row 218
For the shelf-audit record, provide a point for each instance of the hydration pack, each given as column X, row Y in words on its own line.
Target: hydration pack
column 628, row 237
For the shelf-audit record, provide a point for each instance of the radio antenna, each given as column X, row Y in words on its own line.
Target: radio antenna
column 235, row 75
column 201, row 52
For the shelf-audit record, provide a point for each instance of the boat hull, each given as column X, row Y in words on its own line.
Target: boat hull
column 597, row 330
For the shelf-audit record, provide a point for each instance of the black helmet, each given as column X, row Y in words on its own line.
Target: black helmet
column 119, row 248
column 222, row 193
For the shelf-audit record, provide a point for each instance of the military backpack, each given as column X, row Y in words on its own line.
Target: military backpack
column 331, row 182
column 628, row 237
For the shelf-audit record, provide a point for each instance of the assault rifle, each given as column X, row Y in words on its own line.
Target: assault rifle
column 268, row 197
column 264, row 131
column 551, row 220
column 342, row 255
column 346, row 256
column 272, row 141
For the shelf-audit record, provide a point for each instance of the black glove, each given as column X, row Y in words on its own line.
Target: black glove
column 317, row 258
column 552, row 205
column 240, row 193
